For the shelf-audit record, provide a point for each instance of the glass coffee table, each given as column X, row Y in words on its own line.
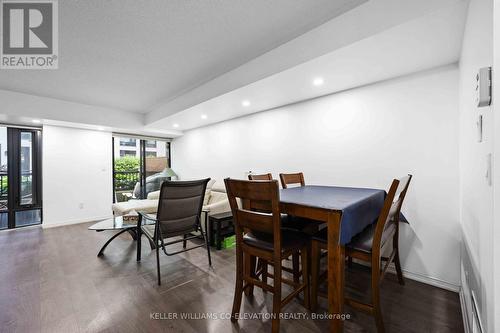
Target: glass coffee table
column 116, row 224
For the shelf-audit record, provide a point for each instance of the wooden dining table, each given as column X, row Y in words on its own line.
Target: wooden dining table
column 346, row 211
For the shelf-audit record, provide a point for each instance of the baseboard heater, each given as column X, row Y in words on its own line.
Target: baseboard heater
column 471, row 285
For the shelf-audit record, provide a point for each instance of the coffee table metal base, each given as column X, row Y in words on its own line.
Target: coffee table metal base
column 131, row 231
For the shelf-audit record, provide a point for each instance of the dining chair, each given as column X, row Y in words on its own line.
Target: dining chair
column 307, row 226
column 179, row 210
column 291, row 179
column 287, row 222
column 257, row 224
column 264, row 176
column 368, row 246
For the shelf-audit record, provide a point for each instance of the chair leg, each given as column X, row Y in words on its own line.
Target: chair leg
column 184, row 243
column 377, row 311
column 315, row 263
column 296, row 267
column 349, row 262
column 276, row 297
column 305, row 275
column 397, row 261
column 238, row 289
column 207, row 244
column 265, row 266
column 249, row 263
column 139, row 243
column 158, row 264
column 207, row 241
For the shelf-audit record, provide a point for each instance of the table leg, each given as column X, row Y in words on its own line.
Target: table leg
column 110, row 240
column 336, row 254
column 133, row 233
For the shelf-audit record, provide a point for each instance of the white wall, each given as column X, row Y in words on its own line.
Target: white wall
column 77, row 170
column 476, row 196
column 362, row 137
column 496, row 164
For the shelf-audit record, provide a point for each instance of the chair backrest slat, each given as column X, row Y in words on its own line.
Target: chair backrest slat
column 265, row 176
column 254, row 220
column 179, row 206
column 292, row 178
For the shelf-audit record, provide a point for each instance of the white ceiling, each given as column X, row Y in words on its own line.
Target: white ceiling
column 133, row 55
column 423, row 43
column 140, row 67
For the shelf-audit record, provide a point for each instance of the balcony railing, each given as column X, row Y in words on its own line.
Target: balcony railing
column 26, row 189
column 4, row 190
column 126, row 180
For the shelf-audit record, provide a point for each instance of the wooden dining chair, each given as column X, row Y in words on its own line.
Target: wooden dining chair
column 264, row 176
column 257, row 224
column 368, row 247
column 291, row 179
column 307, row 226
column 287, row 222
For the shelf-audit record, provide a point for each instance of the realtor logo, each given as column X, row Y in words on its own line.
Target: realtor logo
column 29, row 38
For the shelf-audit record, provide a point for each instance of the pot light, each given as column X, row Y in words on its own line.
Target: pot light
column 318, row 81
column 36, row 121
column 204, row 116
column 176, row 125
column 245, row 103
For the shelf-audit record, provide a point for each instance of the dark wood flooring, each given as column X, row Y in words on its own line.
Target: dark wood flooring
column 52, row 281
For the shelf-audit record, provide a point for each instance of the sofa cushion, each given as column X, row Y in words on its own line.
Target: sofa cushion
column 154, row 195
column 206, row 198
column 146, row 206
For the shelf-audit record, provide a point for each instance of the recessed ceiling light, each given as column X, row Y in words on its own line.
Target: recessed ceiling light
column 36, row 121
column 204, row 116
column 318, row 81
column 245, row 103
column 176, row 125
column 101, row 128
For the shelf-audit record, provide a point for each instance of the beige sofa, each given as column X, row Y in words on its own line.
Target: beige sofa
column 215, row 202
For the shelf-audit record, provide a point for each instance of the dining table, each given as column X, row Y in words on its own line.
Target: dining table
column 346, row 211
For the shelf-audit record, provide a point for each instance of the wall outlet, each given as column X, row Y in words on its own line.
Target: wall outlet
column 80, row 205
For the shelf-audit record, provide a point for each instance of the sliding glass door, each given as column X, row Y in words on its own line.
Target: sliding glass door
column 20, row 177
column 139, row 166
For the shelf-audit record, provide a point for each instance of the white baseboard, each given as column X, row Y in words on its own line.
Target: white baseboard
column 78, row 221
column 427, row 279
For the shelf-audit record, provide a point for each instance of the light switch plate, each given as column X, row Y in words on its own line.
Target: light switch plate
column 483, row 87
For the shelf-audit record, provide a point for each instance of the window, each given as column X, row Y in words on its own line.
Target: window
column 128, row 142
column 138, row 172
column 128, row 153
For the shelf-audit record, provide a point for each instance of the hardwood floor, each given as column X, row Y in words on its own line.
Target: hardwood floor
column 52, row 281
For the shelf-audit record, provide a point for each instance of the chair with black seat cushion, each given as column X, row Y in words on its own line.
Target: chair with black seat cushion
column 307, row 226
column 368, row 247
column 257, row 224
column 287, row 222
column 179, row 209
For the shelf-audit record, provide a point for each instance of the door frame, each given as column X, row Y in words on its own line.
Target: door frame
column 15, row 173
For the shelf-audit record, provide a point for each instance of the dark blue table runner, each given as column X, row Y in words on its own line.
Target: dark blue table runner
column 360, row 207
